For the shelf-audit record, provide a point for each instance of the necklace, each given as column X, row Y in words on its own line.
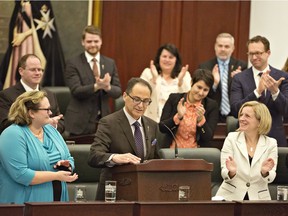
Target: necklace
column 39, row 135
column 250, row 147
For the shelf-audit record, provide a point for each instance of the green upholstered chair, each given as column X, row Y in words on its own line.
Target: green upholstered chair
column 211, row 155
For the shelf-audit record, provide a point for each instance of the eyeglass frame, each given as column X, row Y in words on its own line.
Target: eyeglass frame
column 137, row 100
column 257, row 54
column 47, row 109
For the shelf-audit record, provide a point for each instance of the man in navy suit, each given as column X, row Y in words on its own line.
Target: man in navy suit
column 114, row 142
column 263, row 83
column 224, row 47
column 92, row 79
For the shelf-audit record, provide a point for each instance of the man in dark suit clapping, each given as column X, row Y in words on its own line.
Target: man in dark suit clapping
column 223, row 68
column 92, row 79
column 263, row 83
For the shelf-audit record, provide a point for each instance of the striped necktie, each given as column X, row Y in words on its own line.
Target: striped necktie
column 225, row 106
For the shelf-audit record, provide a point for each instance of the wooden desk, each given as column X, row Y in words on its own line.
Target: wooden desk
column 79, row 209
column 263, row 208
column 11, row 210
column 159, row 180
column 195, row 208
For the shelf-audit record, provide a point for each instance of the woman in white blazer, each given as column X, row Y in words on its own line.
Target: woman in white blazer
column 249, row 157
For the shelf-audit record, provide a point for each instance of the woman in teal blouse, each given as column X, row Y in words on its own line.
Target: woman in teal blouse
column 35, row 163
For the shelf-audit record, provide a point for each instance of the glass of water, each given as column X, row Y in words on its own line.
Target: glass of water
column 110, row 191
column 184, row 193
column 80, row 193
column 282, row 193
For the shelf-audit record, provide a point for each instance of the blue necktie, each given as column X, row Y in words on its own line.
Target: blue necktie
column 138, row 140
column 225, row 106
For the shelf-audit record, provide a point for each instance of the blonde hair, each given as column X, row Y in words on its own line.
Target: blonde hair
column 18, row 112
column 262, row 114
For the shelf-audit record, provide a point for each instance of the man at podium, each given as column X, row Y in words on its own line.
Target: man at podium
column 125, row 136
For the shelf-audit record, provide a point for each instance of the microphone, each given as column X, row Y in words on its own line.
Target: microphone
column 174, row 138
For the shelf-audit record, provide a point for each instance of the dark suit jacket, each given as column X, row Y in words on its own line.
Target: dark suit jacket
column 204, row 134
column 114, row 135
column 233, row 65
column 81, row 114
column 242, row 90
column 9, row 95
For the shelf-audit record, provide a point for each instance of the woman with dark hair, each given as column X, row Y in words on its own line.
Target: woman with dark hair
column 166, row 75
column 191, row 116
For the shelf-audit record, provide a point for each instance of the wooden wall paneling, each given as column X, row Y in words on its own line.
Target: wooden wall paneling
column 131, row 34
column 242, row 34
column 171, row 22
column 132, row 31
column 206, row 20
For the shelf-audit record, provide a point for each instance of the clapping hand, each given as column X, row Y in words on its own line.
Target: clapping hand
column 154, row 71
column 216, row 75
column 182, row 74
column 267, row 165
column 104, row 83
column 200, row 111
column 231, row 166
column 181, row 108
column 270, row 83
column 238, row 70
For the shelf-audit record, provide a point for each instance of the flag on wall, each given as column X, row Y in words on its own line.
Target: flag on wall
column 33, row 29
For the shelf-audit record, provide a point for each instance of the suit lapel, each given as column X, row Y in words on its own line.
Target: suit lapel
column 102, row 66
column 249, row 79
column 126, row 128
column 260, row 149
column 241, row 144
column 87, row 71
column 147, row 136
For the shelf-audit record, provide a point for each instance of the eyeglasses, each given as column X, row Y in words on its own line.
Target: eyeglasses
column 47, row 109
column 257, row 54
column 137, row 100
column 34, row 70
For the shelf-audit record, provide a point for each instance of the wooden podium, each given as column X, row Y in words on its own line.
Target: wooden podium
column 159, row 180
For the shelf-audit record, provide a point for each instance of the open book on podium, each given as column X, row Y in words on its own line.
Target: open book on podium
column 159, row 180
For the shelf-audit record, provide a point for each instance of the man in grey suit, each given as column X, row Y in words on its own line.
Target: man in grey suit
column 92, row 79
column 114, row 142
column 223, row 68
column 263, row 83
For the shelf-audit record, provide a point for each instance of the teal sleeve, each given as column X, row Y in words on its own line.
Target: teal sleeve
column 13, row 155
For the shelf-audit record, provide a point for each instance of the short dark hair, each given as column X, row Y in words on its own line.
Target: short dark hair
column 174, row 51
column 261, row 39
column 135, row 80
column 91, row 30
column 203, row 74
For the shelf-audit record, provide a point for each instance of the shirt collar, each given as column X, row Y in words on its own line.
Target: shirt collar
column 28, row 88
column 226, row 62
column 130, row 118
column 256, row 72
column 90, row 57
